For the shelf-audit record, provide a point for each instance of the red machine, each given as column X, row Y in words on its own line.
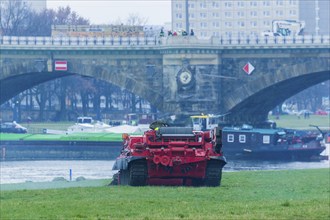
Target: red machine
column 171, row 156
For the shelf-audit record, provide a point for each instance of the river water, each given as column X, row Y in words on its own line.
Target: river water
column 47, row 170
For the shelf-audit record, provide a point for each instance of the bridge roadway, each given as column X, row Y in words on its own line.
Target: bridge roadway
column 179, row 75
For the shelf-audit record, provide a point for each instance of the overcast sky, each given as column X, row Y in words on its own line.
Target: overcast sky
column 108, row 11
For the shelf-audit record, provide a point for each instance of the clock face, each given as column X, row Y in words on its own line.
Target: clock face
column 185, row 77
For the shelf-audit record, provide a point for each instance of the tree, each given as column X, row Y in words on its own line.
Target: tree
column 134, row 19
column 40, row 24
column 64, row 16
column 14, row 16
column 17, row 19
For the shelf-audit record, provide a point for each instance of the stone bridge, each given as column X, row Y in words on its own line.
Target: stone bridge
column 243, row 79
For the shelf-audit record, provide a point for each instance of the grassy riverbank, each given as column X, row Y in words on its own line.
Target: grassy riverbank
column 101, row 137
column 293, row 121
column 287, row 121
column 290, row 194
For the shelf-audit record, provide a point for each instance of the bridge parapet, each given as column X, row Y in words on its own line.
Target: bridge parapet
column 161, row 42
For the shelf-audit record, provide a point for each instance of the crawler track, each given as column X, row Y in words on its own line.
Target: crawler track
column 213, row 173
column 138, row 173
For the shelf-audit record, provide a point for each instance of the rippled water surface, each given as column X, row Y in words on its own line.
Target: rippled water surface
column 47, row 170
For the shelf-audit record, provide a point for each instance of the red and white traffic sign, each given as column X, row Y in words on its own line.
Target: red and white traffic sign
column 61, row 65
column 248, row 68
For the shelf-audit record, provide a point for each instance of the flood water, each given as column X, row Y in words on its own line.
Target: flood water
column 47, row 170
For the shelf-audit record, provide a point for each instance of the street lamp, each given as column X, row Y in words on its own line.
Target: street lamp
column 187, row 15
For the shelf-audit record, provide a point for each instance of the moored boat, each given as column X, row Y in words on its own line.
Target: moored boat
column 265, row 143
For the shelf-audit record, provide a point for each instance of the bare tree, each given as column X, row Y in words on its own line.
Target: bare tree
column 66, row 16
column 14, row 15
column 134, row 19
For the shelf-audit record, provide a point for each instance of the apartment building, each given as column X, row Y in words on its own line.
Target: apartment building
column 242, row 18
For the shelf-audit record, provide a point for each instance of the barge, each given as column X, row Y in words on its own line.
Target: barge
column 266, row 143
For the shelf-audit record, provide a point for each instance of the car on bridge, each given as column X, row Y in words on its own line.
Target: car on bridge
column 12, row 127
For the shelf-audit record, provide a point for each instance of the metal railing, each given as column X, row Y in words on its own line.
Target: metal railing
column 126, row 42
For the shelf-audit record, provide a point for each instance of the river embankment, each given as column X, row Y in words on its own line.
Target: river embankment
column 79, row 146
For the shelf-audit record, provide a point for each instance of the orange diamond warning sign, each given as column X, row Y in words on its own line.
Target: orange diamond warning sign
column 248, row 68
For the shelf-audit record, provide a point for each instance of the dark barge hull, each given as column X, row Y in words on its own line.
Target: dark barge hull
column 285, row 155
column 59, row 150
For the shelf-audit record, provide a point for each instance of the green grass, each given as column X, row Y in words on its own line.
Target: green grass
column 63, row 137
column 292, row 121
column 291, row 194
column 63, row 125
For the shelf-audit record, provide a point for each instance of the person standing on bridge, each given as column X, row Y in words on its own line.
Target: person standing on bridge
column 162, row 32
column 192, row 32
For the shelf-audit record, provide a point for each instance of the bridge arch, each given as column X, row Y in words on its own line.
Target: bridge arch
column 18, row 78
column 252, row 101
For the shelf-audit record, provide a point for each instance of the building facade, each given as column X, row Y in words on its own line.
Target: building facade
column 246, row 18
column 316, row 15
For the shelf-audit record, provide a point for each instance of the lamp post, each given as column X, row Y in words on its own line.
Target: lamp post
column 317, row 17
column 187, row 15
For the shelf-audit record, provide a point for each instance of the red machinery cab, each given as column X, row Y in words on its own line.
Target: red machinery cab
column 171, row 156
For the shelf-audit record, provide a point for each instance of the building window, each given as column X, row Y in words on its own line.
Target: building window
column 254, row 13
column 266, row 23
column 266, row 13
column 203, row 34
column 215, row 24
column 203, row 24
column 228, row 4
column 253, row 3
column 191, row 5
column 240, row 4
column 178, row 25
column 178, row 6
column 266, row 3
column 215, row 14
column 279, row 2
column 215, row 4
column 253, row 23
column 202, row 5
column 178, row 15
column 241, row 23
column 228, row 14
column 293, row 12
column 228, row 34
column 279, row 12
column 293, row 2
column 230, row 138
column 266, row 139
column 240, row 13
column 228, row 24
column 202, row 15
column 242, row 138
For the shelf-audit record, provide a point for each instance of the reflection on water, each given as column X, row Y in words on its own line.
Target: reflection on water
column 40, row 171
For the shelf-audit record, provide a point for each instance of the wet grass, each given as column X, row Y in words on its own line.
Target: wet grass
column 293, row 121
column 63, row 137
column 291, row 194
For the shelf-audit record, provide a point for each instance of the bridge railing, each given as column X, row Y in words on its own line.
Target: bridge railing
column 78, row 41
column 159, row 41
column 271, row 40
